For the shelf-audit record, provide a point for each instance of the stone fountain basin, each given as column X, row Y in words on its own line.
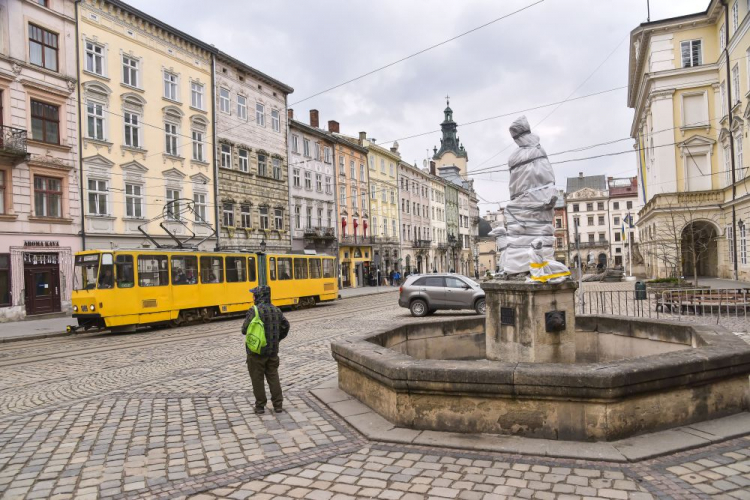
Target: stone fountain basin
column 630, row 377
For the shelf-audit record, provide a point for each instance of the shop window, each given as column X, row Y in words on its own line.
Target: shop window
column 152, row 270
column 185, row 270
column 212, row 270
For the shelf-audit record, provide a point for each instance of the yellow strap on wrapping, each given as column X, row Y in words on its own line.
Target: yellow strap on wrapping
column 548, row 277
column 538, row 266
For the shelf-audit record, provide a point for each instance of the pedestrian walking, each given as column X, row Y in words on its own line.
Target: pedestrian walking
column 266, row 364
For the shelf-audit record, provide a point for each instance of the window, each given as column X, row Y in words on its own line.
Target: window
column 393, row 196
column 385, row 227
column 277, row 169
column 241, row 107
column 170, row 132
column 352, row 170
column 272, row 268
column 251, row 274
column 199, row 205
column 317, row 151
column 735, row 84
column 295, row 177
column 97, row 197
column 124, row 271
column 735, row 15
column 45, row 122
column 275, row 121
column 616, row 222
column 308, row 180
column 327, row 154
column 601, row 220
column 384, row 195
column 739, row 160
column 395, row 231
column 196, row 95
column 328, row 268
column 691, row 53
column 392, row 174
column 260, row 114
column 372, row 191
column 212, row 269
column 589, row 207
column 600, row 205
column 558, row 222
column 133, row 200
column 629, row 205
column 601, row 237
column 95, row 120
column 47, row 197
column 153, row 270
column 575, row 207
column 320, row 217
column 262, row 166
column 591, row 238
column 300, row 269
column 245, row 218
column 372, row 162
column 132, row 129
column 285, row 268
column 315, row 269
column 94, row 58
column 723, row 95
column 306, row 146
column 198, row 146
column 342, row 169
column 382, row 166
column 224, row 105
column 590, row 220
column 617, row 236
column 319, row 182
column 727, row 166
column 42, row 47
column 264, row 217
column 730, row 240
column 236, row 269
column 170, row 85
column 243, row 159
column 278, row 219
column 342, row 195
column 226, row 156
column 364, row 200
column 173, row 203
column 297, row 216
column 185, row 270
column 361, row 172
column 722, row 38
column 227, row 215
column 329, row 185
column 2, row 191
column 330, row 218
column 354, row 197
column 308, row 217
column 295, row 144
column 743, row 242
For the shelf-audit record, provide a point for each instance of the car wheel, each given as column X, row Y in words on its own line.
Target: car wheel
column 480, row 306
column 418, row 308
column 431, row 312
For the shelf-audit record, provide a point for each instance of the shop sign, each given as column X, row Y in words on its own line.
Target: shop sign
column 32, row 243
column 40, row 259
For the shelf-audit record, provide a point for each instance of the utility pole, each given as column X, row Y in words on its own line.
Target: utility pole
column 630, row 246
column 648, row 11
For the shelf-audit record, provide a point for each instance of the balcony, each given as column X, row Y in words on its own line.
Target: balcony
column 384, row 240
column 13, row 144
column 442, row 246
column 421, row 243
column 591, row 244
column 319, row 233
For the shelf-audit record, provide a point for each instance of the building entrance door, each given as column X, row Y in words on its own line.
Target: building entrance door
column 346, row 275
column 42, row 283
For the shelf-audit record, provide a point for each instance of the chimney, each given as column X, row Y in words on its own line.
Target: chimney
column 433, row 168
column 580, row 175
column 333, row 126
column 362, row 137
column 314, row 119
column 290, row 113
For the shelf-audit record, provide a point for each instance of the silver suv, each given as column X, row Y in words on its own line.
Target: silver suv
column 424, row 294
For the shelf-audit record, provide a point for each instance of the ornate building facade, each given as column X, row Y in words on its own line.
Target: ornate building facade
column 40, row 210
column 251, row 157
column 439, row 243
column 416, row 233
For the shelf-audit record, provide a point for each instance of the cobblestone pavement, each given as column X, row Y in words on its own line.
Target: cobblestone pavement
column 168, row 414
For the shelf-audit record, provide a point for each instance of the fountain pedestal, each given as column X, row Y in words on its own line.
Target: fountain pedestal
column 530, row 322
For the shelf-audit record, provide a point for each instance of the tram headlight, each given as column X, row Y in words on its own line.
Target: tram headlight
column 75, row 309
column 92, row 307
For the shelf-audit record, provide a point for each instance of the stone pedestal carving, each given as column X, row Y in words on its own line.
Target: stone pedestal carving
column 531, row 322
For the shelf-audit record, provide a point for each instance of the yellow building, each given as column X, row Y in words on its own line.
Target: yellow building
column 689, row 86
column 384, row 213
column 146, row 112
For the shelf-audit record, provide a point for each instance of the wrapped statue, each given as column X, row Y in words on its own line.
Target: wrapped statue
column 530, row 211
column 501, row 244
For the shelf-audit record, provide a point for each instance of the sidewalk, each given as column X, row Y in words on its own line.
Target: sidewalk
column 347, row 293
column 34, row 329
column 718, row 283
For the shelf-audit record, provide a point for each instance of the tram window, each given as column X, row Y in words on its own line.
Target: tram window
column 251, row 272
column 315, row 268
column 272, row 267
column 300, row 269
column 184, row 270
column 124, row 271
column 212, row 270
column 236, row 269
column 285, row 268
column 106, row 272
column 153, row 270
column 328, row 268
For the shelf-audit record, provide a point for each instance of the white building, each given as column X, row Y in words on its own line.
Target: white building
column 623, row 202
column 587, row 208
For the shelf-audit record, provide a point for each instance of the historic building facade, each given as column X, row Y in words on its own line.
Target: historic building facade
column 416, row 233
column 147, row 122
column 453, row 250
column 40, row 211
column 251, row 156
column 439, row 243
column 623, row 207
column 312, row 186
column 354, row 222
column 688, row 85
column 586, row 203
column 561, row 230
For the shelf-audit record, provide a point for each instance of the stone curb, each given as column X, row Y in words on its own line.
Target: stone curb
column 635, row 449
column 394, row 289
column 35, row 336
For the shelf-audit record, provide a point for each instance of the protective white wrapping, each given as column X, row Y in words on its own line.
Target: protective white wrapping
column 542, row 269
column 530, row 212
column 501, row 242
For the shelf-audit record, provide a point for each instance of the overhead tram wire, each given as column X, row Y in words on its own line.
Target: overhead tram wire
column 418, row 53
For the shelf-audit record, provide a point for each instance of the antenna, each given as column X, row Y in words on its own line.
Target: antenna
column 648, row 11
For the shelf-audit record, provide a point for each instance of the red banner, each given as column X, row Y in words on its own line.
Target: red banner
column 356, row 225
column 343, row 227
column 364, row 228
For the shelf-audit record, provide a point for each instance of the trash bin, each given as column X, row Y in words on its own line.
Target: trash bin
column 640, row 290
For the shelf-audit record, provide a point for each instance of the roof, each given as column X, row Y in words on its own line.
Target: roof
column 311, row 130
column 257, row 73
column 349, row 142
column 598, row 182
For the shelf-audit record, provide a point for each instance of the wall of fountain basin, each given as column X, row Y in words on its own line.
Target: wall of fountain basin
column 629, row 377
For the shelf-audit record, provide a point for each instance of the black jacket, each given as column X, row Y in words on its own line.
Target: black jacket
column 274, row 322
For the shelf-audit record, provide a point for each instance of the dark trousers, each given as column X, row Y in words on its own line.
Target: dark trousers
column 260, row 367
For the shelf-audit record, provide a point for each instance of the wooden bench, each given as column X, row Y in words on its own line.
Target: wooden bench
column 698, row 303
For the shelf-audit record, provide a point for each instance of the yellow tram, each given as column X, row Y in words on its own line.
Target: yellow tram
column 120, row 290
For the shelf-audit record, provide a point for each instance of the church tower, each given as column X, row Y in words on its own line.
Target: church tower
column 451, row 152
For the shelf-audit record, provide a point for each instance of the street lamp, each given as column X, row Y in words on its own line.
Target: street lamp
column 263, row 245
column 452, row 243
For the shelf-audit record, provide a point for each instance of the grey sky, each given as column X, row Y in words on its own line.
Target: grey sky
column 536, row 57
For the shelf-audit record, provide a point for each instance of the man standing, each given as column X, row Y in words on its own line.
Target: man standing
column 266, row 364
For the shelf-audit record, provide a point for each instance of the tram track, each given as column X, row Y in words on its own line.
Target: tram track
column 121, row 343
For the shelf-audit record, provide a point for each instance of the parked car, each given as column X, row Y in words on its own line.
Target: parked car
column 424, row 294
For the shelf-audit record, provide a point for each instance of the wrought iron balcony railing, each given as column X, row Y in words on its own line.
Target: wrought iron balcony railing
column 421, row 243
column 12, row 142
column 319, row 233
